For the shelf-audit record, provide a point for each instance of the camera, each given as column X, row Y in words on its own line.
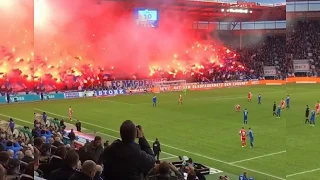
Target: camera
column 106, row 143
column 138, row 127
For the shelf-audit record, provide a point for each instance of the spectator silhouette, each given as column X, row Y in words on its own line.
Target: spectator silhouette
column 4, row 159
column 27, row 157
column 92, row 150
column 68, row 167
column 163, row 172
column 88, row 171
column 126, row 160
column 2, row 173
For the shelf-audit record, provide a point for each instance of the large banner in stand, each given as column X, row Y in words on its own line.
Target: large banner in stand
column 269, row 70
column 301, row 65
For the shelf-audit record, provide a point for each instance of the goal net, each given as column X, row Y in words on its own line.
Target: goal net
column 165, row 86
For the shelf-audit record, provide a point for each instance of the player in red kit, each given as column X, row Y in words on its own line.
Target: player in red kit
column 282, row 104
column 249, row 97
column 180, row 99
column 70, row 113
column 243, row 135
column 318, row 108
column 237, row 108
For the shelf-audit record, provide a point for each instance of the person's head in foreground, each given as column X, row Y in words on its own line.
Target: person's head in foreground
column 97, row 141
column 89, row 168
column 128, row 131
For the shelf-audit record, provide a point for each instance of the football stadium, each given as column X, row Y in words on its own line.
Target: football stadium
column 159, row 90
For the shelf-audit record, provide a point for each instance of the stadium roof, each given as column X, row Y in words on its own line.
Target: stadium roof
column 215, row 10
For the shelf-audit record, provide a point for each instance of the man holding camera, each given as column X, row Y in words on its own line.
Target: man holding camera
column 125, row 159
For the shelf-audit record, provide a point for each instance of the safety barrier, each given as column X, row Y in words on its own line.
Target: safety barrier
column 297, row 80
column 66, row 95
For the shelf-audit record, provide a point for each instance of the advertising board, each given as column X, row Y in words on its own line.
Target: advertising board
column 30, row 98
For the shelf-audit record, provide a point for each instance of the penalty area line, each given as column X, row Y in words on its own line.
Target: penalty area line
column 257, row 157
column 303, row 172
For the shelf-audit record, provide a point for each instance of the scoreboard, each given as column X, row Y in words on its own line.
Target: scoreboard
column 146, row 17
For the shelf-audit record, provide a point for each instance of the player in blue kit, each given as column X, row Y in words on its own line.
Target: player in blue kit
column 278, row 112
column 259, row 99
column 250, row 134
column 288, row 102
column 154, row 100
column 312, row 118
column 245, row 116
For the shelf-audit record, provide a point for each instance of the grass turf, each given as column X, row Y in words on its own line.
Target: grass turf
column 206, row 127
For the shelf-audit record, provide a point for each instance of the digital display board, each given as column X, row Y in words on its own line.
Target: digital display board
column 146, row 17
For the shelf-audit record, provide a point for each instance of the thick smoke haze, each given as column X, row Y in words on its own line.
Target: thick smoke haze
column 105, row 35
column 49, row 41
column 16, row 36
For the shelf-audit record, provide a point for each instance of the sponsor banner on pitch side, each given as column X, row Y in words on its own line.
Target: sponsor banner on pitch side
column 301, row 65
column 221, row 85
column 269, row 70
column 110, row 92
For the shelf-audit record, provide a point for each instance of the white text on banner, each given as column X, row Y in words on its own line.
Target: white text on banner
column 269, row 70
column 301, row 65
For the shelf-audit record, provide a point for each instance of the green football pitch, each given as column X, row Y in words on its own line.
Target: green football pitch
column 206, row 127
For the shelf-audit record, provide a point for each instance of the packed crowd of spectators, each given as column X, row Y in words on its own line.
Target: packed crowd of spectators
column 258, row 50
column 303, row 43
column 17, row 155
column 121, row 160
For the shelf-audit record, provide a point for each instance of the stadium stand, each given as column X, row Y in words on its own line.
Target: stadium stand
column 49, row 151
column 16, row 151
column 303, row 43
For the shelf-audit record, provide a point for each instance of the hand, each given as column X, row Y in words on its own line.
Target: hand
column 139, row 133
column 191, row 167
column 172, row 167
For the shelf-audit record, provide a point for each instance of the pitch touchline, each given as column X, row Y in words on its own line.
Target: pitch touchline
column 303, row 172
column 210, row 97
column 182, row 150
column 194, row 99
column 257, row 157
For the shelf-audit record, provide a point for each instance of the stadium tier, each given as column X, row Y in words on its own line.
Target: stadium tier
column 159, row 90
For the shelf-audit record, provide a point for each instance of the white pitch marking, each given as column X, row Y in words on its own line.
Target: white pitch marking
column 257, row 157
column 161, row 159
column 303, row 172
column 182, row 150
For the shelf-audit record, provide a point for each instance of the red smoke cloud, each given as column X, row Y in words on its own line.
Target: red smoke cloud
column 16, row 37
column 49, row 39
column 104, row 35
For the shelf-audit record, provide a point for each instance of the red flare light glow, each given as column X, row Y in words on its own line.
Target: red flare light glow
column 47, row 40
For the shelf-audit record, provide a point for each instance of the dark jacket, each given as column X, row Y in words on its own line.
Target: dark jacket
column 78, row 125
column 55, row 162
column 57, row 143
column 156, row 147
column 165, row 177
column 72, row 136
column 80, row 176
column 91, row 152
column 63, row 173
column 128, row 161
column 26, row 177
column 27, row 159
column 97, row 177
